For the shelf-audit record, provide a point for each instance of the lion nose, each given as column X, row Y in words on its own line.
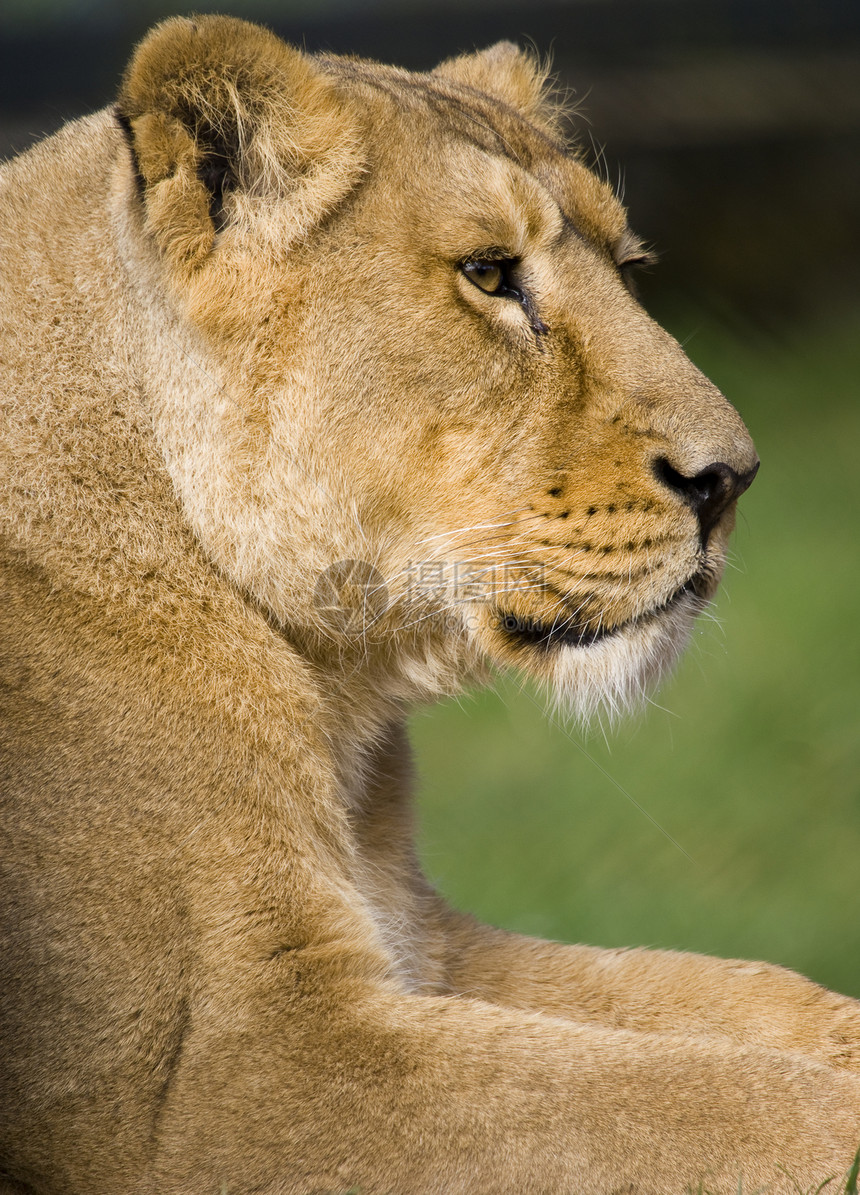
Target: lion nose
column 710, row 492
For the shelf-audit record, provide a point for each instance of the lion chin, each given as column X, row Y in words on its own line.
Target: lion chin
column 595, row 669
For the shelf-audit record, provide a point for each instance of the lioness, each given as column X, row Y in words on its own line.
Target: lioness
column 280, row 333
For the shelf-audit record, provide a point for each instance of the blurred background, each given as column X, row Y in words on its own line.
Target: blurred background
column 727, row 817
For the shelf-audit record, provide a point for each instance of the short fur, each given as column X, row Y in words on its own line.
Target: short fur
column 240, row 348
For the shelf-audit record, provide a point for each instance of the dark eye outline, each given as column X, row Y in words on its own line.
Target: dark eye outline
column 506, row 288
column 630, row 267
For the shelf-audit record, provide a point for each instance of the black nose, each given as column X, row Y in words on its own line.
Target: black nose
column 710, row 492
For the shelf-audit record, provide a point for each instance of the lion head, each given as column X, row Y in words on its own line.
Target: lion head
column 406, row 392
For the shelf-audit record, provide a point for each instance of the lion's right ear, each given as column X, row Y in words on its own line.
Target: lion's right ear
column 233, row 130
column 512, row 75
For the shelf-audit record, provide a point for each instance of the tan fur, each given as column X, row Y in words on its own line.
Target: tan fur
column 238, row 348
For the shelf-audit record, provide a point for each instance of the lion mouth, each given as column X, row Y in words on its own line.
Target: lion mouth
column 572, row 631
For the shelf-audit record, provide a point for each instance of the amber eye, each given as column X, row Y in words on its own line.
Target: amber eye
column 488, row 275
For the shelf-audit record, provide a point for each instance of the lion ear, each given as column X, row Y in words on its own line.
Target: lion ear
column 225, row 120
column 509, row 74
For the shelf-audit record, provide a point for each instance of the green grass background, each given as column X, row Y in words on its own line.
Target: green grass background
column 749, row 761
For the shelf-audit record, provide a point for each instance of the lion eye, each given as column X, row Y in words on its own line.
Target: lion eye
column 630, row 267
column 489, row 275
column 640, row 262
column 497, row 276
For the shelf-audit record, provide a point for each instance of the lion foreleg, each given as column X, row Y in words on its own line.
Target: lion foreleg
column 654, row 991
column 403, row 1095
